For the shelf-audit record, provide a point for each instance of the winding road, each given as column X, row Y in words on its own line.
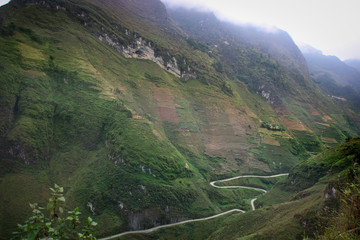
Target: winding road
column 213, row 184
column 246, row 176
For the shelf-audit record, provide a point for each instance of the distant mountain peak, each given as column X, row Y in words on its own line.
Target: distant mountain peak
column 307, row 49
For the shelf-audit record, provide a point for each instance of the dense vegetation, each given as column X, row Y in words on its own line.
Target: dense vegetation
column 133, row 145
column 324, row 207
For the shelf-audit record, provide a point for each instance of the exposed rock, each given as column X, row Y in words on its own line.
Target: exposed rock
column 330, row 192
column 141, row 49
column 121, row 205
column 91, row 207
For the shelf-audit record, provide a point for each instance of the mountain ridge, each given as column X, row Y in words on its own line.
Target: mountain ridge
column 86, row 105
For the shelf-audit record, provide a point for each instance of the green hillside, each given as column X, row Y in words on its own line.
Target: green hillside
column 134, row 114
column 314, row 204
column 335, row 77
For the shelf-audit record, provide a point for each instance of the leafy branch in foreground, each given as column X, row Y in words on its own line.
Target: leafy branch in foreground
column 56, row 226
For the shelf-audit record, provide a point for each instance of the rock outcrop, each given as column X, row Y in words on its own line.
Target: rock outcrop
column 142, row 49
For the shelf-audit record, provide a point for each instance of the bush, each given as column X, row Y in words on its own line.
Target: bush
column 57, row 226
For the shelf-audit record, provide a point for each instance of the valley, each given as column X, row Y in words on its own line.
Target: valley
column 152, row 117
column 213, row 184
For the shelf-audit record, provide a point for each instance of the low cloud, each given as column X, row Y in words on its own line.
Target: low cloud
column 331, row 26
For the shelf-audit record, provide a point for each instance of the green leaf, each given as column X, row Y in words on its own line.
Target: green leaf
column 62, row 199
column 50, row 205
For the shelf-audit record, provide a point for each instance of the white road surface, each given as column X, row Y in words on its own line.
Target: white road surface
column 213, row 183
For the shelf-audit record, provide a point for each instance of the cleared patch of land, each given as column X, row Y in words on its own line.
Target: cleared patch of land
column 328, row 140
column 271, row 141
column 165, row 104
column 295, row 125
column 323, row 124
column 230, row 134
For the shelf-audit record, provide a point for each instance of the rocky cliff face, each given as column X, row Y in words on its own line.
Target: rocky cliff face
column 142, row 49
column 268, row 62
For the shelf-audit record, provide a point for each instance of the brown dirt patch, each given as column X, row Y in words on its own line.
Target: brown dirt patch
column 323, row 124
column 295, row 125
column 138, row 117
column 240, row 119
column 315, row 113
column 271, row 141
column 327, row 118
column 281, row 110
column 165, row 104
column 328, row 140
column 227, row 135
column 156, row 133
column 179, row 106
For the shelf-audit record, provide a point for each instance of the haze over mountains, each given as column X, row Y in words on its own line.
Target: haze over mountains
column 329, row 26
column 135, row 108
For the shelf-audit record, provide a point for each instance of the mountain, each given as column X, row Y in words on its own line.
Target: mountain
column 134, row 108
column 317, row 201
column 334, row 76
column 355, row 63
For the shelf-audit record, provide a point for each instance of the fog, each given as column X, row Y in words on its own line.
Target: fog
column 330, row 26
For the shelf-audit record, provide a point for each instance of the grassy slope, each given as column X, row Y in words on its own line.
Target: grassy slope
column 70, row 141
column 70, row 107
column 52, row 68
column 298, row 203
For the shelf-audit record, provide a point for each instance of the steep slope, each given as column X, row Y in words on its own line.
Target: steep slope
column 332, row 75
column 355, row 63
column 133, row 116
column 266, row 61
column 315, row 201
column 64, row 120
column 271, row 65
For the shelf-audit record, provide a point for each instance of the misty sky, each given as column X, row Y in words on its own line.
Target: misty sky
column 2, row 2
column 333, row 26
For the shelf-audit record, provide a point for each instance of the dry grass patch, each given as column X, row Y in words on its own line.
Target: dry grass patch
column 327, row 118
column 271, row 141
column 328, row 140
column 295, row 125
column 33, row 74
column 138, row 117
column 323, row 124
column 30, row 52
column 165, row 104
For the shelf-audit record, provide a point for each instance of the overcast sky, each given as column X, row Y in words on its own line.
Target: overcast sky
column 332, row 26
column 2, row 2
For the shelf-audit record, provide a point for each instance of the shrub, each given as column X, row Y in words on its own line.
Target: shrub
column 56, row 226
